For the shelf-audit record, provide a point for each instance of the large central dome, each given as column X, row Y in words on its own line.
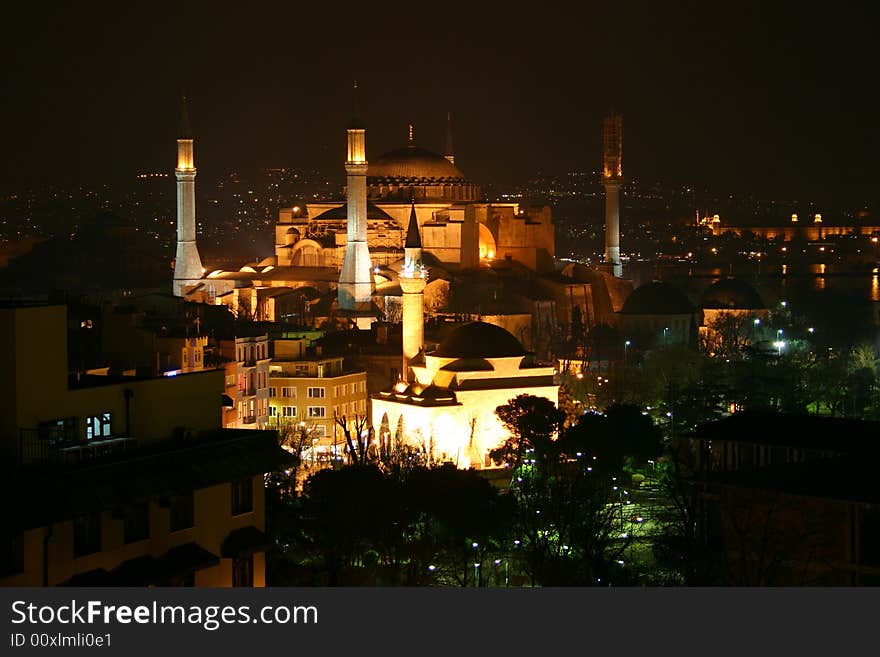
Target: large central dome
column 414, row 162
column 414, row 172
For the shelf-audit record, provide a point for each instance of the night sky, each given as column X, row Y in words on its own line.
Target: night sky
column 780, row 101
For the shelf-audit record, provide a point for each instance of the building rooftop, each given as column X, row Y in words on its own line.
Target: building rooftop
column 795, row 430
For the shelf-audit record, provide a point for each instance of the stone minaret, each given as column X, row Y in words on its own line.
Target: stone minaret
column 412, row 282
column 612, row 178
column 187, row 264
column 450, row 153
column 355, row 279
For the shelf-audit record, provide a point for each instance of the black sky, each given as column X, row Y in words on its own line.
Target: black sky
column 774, row 98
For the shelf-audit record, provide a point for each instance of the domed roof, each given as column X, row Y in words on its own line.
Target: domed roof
column 340, row 213
column 480, row 340
column 733, row 294
column 657, row 298
column 469, row 365
column 414, row 162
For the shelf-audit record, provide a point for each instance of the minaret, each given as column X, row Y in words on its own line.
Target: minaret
column 413, row 279
column 187, row 264
column 612, row 178
column 450, row 154
column 355, row 279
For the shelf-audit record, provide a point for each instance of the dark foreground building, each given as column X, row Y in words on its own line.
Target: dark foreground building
column 791, row 499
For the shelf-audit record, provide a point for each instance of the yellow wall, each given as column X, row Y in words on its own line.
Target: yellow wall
column 212, row 524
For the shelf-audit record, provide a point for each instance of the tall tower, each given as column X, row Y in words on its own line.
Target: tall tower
column 412, row 279
column 355, row 279
column 612, row 178
column 187, row 264
column 450, row 153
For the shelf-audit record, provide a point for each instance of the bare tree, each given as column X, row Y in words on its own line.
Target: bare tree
column 358, row 434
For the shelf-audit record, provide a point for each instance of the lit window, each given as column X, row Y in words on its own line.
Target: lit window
column 98, row 426
column 316, row 411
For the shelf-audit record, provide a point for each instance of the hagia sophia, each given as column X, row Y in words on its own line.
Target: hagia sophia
column 410, row 242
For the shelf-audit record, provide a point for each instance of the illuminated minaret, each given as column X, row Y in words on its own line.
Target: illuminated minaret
column 412, row 282
column 612, row 178
column 450, row 153
column 187, row 264
column 355, row 279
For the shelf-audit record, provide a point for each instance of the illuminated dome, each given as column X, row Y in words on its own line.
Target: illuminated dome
column 414, row 162
column 732, row 294
column 480, row 340
column 657, row 298
column 340, row 213
column 414, row 171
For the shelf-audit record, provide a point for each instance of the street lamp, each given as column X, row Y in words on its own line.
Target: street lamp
column 665, row 331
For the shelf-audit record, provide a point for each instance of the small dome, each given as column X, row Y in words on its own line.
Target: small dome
column 732, row 294
column 340, row 213
column 469, row 365
column 414, row 162
column 480, row 340
column 657, row 298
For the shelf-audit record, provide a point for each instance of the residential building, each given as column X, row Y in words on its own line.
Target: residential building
column 122, row 480
column 249, row 353
column 309, row 390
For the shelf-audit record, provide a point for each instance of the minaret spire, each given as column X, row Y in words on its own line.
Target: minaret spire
column 412, row 248
column 356, row 121
column 412, row 283
column 185, row 130
column 355, row 280
column 187, row 263
column 612, row 179
column 450, row 153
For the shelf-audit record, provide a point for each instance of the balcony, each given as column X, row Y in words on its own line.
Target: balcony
column 37, row 447
column 249, row 419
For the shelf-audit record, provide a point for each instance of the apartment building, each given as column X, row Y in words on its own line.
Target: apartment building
column 122, row 480
column 308, row 390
